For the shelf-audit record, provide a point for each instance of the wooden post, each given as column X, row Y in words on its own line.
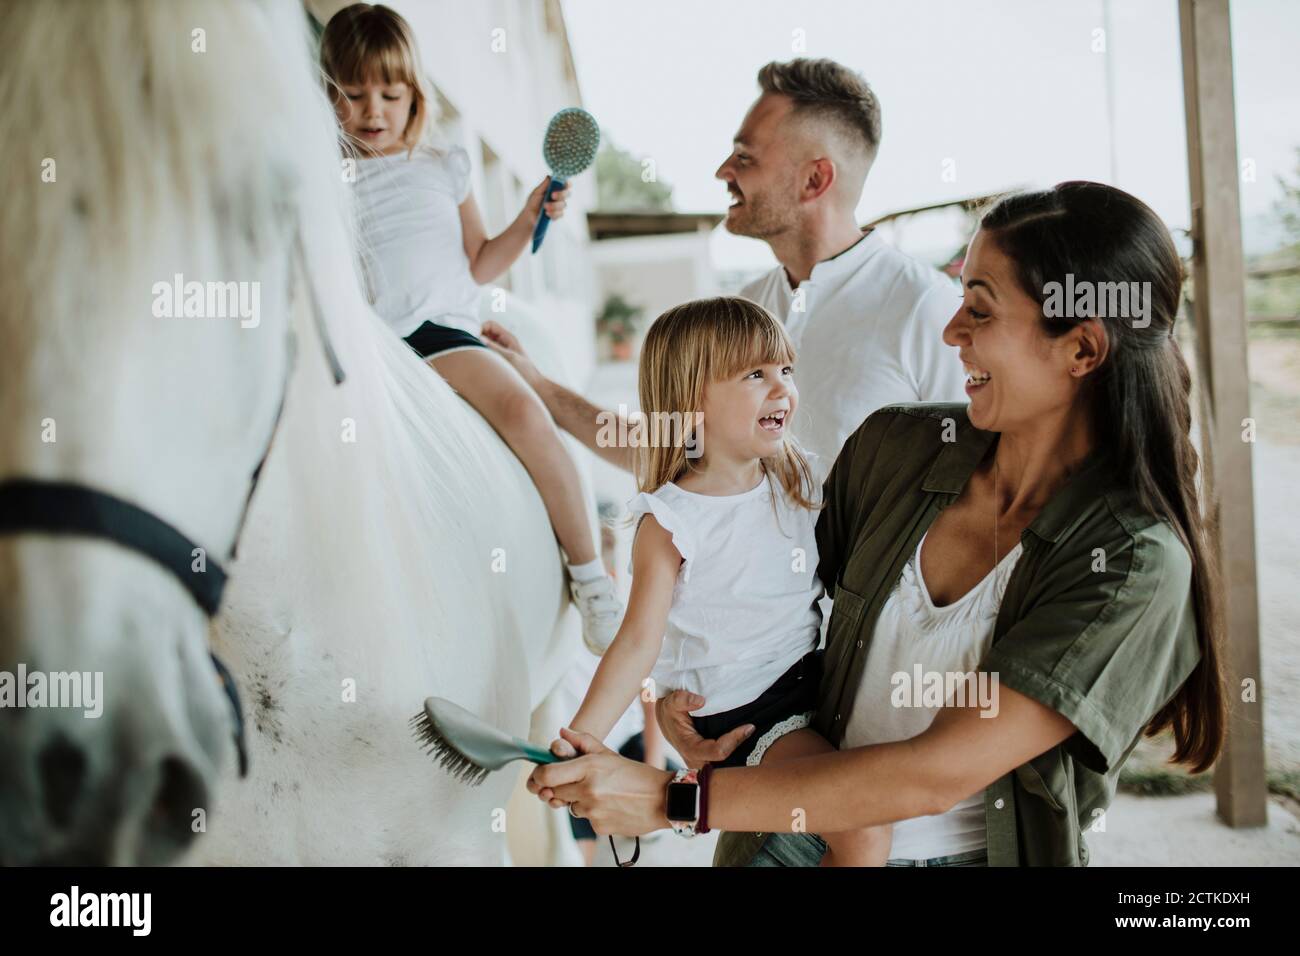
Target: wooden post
column 1220, row 315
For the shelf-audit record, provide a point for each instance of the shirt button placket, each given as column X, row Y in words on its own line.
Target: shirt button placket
column 796, row 320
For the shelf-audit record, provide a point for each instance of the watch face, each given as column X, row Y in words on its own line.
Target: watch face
column 683, row 801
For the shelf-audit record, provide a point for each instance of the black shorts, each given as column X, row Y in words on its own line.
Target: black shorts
column 432, row 339
column 792, row 695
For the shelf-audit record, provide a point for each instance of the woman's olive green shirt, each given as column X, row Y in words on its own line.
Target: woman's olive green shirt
column 1097, row 621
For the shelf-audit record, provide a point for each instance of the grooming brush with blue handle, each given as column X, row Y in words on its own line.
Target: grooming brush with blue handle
column 572, row 138
column 470, row 748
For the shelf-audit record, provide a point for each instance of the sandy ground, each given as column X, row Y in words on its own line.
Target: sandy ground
column 1184, row 831
column 1275, row 404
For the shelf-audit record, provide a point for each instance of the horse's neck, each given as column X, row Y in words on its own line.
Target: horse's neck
column 383, row 503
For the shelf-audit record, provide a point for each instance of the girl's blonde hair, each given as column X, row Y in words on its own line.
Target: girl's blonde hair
column 367, row 41
column 686, row 348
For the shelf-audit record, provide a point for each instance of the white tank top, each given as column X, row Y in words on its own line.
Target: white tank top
column 912, row 641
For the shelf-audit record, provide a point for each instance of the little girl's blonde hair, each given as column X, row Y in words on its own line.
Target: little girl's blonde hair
column 371, row 41
column 686, row 348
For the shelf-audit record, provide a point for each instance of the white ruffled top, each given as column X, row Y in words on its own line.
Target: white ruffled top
column 745, row 602
column 973, row 611
column 914, row 646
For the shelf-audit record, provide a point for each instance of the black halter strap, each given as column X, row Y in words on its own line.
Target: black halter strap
column 29, row 506
column 60, row 507
column 40, row 506
column 34, row 506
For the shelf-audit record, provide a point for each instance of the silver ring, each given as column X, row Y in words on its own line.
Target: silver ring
column 572, row 814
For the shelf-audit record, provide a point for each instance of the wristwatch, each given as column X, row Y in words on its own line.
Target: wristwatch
column 684, row 802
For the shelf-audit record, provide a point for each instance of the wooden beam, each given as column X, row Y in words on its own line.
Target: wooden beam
column 1218, row 276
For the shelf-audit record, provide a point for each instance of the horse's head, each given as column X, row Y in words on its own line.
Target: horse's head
column 148, row 241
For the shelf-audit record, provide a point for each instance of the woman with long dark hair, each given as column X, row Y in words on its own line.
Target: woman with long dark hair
column 1022, row 586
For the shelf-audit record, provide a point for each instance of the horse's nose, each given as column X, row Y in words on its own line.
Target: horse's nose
column 62, row 767
column 143, row 815
column 180, row 792
column 116, row 790
column 120, row 737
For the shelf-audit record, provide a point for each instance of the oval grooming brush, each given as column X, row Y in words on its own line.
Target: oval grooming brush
column 470, row 748
column 572, row 138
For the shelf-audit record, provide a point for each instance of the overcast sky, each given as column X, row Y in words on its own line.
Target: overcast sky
column 1002, row 92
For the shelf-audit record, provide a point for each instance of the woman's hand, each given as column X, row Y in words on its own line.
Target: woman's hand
column 502, row 341
column 674, row 715
column 614, row 794
column 554, row 208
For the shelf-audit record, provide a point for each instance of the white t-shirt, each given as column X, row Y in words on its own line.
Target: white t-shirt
column 412, row 246
column 912, row 641
column 868, row 329
column 745, row 602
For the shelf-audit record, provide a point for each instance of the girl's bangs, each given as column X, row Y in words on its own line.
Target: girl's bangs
column 365, row 58
column 748, row 346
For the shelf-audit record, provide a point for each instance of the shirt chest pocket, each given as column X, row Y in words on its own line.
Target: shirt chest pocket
column 842, row 634
column 1045, row 778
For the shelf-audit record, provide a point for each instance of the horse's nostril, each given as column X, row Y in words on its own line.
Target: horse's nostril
column 180, row 793
column 63, row 771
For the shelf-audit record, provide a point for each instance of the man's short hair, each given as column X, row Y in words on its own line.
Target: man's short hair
column 829, row 92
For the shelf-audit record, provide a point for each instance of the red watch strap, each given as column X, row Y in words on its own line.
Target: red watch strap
column 705, row 773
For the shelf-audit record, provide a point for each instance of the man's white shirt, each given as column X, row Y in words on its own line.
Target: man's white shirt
column 868, row 329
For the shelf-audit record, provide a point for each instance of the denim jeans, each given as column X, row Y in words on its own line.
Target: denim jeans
column 806, row 849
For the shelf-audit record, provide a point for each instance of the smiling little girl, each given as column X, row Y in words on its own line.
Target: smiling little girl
column 724, row 584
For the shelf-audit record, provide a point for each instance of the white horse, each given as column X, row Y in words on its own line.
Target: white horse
column 394, row 549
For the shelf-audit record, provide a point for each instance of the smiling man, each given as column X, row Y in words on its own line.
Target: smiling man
column 866, row 319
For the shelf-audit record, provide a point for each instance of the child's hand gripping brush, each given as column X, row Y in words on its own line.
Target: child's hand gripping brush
column 572, row 138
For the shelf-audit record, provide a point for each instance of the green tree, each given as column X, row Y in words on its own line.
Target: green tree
column 627, row 183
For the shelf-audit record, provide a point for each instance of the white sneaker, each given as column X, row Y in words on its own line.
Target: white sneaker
column 601, row 610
